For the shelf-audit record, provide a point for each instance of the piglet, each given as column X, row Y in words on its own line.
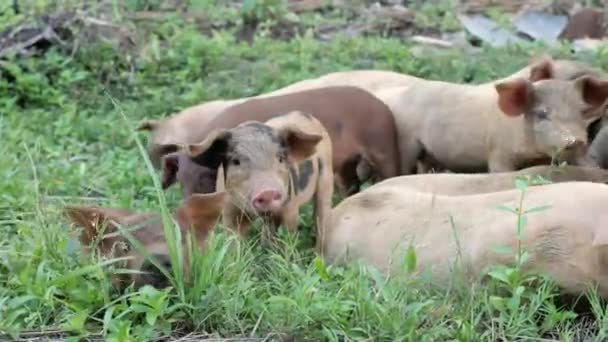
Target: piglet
column 271, row 169
column 100, row 233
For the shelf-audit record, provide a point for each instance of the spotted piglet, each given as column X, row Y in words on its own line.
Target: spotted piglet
column 271, row 169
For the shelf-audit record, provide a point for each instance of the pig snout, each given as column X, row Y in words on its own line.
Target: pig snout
column 565, row 137
column 267, row 200
column 576, row 144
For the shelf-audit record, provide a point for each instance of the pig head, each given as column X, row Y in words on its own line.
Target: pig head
column 256, row 160
column 100, row 233
column 553, row 114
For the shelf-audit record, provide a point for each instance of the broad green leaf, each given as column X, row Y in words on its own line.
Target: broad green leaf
column 76, row 321
column 537, row 209
column 321, row 268
column 410, row 259
column 505, row 208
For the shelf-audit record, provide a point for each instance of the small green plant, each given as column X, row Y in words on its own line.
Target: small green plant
column 521, row 293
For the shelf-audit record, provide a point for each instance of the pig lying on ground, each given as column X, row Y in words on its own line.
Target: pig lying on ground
column 502, row 126
column 455, row 184
column 198, row 214
column 568, row 241
column 271, row 169
column 361, row 127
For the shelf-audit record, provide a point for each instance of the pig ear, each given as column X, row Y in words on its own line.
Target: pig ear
column 542, row 69
column 165, row 149
column 200, row 213
column 211, row 152
column 169, row 170
column 94, row 219
column 593, row 91
column 148, row 125
column 514, row 96
column 301, row 145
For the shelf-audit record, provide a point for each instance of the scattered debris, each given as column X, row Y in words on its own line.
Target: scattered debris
column 540, row 20
column 298, row 6
column 432, row 41
column 398, row 13
column 540, row 26
column 487, row 30
column 586, row 23
column 27, row 38
column 509, row 6
column 588, row 44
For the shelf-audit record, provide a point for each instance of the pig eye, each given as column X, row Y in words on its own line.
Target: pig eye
column 281, row 158
column 235, row 161
column 542, row 114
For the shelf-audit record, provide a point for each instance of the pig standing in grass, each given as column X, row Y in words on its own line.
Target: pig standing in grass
column 568, row 240
column 501, row 126
column 361, row 127
column 197, row 215
column 271, row 169
column 189, row 125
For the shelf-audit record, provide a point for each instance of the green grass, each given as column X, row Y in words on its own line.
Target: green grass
column 66, row 127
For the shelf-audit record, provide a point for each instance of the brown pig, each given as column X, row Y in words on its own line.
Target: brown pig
column 271, row 169
column 198, row 215
column 502, row 126
column 455, row 184
column 568, row 240
column 189, row 125
column 361, row 127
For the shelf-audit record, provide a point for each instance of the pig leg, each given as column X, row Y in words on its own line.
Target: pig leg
column 348, row 181
column 323, row 201
column 236, row 220
column 410, row 153
column 341, row 186
column 289, row 217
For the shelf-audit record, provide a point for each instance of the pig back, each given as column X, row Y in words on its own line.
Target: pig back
column 357, row 122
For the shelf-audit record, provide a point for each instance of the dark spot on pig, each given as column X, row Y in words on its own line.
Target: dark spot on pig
column 320, row 167
column 305, row 171
column 293, row 176
column 374, row 200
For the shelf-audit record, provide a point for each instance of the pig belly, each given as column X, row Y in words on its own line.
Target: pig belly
column 451, row 151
